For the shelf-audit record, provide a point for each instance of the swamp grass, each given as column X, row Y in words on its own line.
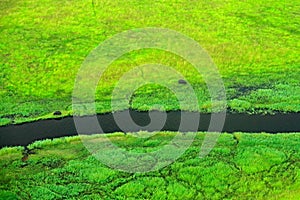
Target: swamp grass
column 255, row 46
column 240, row 166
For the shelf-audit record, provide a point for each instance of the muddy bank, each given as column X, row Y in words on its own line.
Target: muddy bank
column 27, row 133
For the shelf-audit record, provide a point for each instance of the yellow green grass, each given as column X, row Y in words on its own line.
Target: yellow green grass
column 255, row 45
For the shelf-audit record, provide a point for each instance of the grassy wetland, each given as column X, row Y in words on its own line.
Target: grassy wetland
column 43, row 43
column 241, row 166
column 255, row 46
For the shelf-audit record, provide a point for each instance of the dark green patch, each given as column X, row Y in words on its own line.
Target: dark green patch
column 252, row 166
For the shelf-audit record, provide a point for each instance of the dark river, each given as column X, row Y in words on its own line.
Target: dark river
column 26, row 133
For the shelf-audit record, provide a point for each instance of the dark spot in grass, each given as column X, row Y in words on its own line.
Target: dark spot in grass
column 57, row 112
column 181, row 81
column 26, row 152
column 10, row 116
column 24, row 158
column 241, row 90
column 16, row 115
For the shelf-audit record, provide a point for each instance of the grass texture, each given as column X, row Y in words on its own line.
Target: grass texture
column 240, row 166
column 255, row 46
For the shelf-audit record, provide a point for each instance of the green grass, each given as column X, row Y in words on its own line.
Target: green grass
column 241, row 166
column 43, row 43
column 255, row 46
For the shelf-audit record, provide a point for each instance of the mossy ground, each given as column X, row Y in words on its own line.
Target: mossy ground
column 241, row 166
column 43, row 44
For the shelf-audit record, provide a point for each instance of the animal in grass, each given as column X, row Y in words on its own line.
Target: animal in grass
column 57, row 112
column 181, row 81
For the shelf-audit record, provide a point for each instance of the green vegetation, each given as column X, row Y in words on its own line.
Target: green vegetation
column 241, row 166
column 255, row 46
column 43, row 43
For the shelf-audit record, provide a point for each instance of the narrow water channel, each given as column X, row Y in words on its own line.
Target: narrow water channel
column 24, row 134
